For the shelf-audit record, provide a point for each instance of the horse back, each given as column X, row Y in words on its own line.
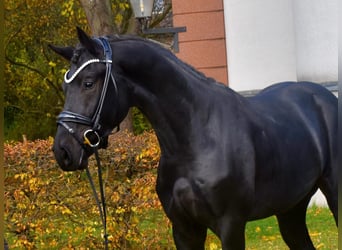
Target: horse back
column 304, row 107
column 298, row 108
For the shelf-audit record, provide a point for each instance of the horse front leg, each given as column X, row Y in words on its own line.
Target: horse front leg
column 189, row 232
column 232, row 233
column 189, row 237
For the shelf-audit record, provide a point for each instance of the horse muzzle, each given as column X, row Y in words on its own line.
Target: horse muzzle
column 67, row 160
column 69, row 154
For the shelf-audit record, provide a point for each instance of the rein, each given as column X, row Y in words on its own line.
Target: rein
column 91, row 136
column 101, row 205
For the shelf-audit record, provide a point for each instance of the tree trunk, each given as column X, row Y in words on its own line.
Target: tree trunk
column 99, row 16
column 100, row 20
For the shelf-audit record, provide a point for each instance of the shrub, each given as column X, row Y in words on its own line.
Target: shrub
column 46, row 208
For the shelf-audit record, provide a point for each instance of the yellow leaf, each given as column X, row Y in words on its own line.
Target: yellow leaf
column 66, row 211
column 320, row 245
column 213, row 246
column 52, row 64
column 315, row 234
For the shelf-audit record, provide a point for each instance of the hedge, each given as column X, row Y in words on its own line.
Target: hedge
column 46, row 208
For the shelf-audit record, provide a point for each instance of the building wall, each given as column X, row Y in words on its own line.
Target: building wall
column 203, row 44
column 252, row 44
column 316, row 39
column 270, row 41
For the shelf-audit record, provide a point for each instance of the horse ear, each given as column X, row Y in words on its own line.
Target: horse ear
column 65, row 52
column 91, row 45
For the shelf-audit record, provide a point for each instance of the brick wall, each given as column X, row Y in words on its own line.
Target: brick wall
column 203, row 44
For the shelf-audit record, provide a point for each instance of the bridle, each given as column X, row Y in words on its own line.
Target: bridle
column 91, row 136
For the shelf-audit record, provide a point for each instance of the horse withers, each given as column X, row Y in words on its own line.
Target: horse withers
column 225, row 159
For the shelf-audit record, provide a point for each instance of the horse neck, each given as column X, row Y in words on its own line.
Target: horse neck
column 175, row 98
column 168, row 108
column 164, row 92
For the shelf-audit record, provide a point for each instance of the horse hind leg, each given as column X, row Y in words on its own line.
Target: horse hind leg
column 329, row 187
column 292, row 225
column 328, row 182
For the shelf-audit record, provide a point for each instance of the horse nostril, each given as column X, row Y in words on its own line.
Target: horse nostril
column 66, row 157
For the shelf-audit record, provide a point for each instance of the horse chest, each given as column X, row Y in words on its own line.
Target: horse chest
column 206, row 184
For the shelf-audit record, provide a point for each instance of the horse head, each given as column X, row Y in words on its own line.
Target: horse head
column 95, row 103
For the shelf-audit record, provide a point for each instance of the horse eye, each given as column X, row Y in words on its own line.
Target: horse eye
column 88, row 85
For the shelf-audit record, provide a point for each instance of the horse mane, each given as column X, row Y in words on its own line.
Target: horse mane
column 154, row 45
column 165, row 53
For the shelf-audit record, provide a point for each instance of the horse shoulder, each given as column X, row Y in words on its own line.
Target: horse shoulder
column 216, row 179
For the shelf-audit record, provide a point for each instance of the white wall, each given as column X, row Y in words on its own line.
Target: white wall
column 270, row 41
column 316, row 38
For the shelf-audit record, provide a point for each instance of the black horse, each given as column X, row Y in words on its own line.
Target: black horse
column 225, row 159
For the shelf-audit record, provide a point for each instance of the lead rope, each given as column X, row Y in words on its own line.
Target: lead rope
column 101, row 205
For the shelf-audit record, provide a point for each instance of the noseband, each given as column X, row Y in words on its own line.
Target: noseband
column 90, row 136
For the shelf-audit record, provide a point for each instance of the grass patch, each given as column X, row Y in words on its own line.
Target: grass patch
column 155, row 228
column 260, row 234
column 264, row 234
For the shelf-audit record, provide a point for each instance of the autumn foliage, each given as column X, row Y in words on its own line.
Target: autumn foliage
column 46, row 208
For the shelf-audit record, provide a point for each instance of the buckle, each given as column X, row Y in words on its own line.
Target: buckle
column 91, row 138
